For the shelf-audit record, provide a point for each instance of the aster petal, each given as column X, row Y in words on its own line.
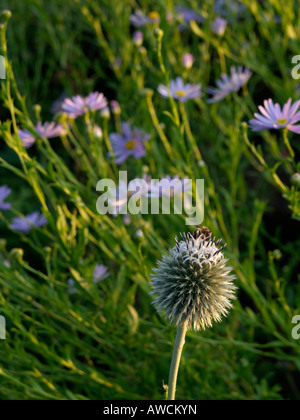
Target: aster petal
column 163, row 90
column 286, row 109
column 293, row 109
column 270, row 107
column 122, row 158
column 294, row 118
column 264, row 112
column 263, row 119
column 127, row 130
column 294, row 128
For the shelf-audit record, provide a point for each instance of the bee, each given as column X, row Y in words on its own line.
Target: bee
column 202, row 231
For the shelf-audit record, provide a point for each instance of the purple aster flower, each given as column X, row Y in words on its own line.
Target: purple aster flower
column 48, row 130
column 228, row 84
column 130, row 143
column 218, row 26
column 27, row 139
column 178, row 90
column 4, row 193
column 188, row 14
column 78, row 105
column 72, row 289
column 140, row 19
column 26, row 223
column 230, row 10
column 272, row 116
column 100, row 273
column 57, row 104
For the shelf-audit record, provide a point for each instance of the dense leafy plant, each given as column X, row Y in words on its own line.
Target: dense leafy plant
column 70, row 336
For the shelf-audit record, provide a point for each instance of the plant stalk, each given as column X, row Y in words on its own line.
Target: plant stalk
column 178, row 346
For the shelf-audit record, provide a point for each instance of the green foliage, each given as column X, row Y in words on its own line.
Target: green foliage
column 106, row 341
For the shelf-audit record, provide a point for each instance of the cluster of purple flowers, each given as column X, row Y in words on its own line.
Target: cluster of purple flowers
column 227, row 84
column 165, row 187
column 271, row 116
column 183, row 14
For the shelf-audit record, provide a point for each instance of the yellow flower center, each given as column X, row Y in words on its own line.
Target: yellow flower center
column 130, row 144
column 180, row 93
column 154, row 15
column 282, row 122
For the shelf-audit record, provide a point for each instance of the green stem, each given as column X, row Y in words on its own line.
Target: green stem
column 189, row 132
column 287, row 143
column 159, row 130
column 165, row 73
column 178, row 346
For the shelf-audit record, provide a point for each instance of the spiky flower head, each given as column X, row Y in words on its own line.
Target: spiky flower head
column 193, row 284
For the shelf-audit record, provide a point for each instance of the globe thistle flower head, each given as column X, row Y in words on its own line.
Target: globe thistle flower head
column 193, row 284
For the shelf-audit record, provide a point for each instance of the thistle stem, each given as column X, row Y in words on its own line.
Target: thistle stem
column 178, row 346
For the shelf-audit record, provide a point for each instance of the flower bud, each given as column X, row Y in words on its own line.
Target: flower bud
column 97, row 131
column 159, row 33
column 219, row 26
column 295, row 180
column 188, row 60
column 5, row 15
column 105, row 113
column 17, row 254
column 115, row 107
column 138, row 38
